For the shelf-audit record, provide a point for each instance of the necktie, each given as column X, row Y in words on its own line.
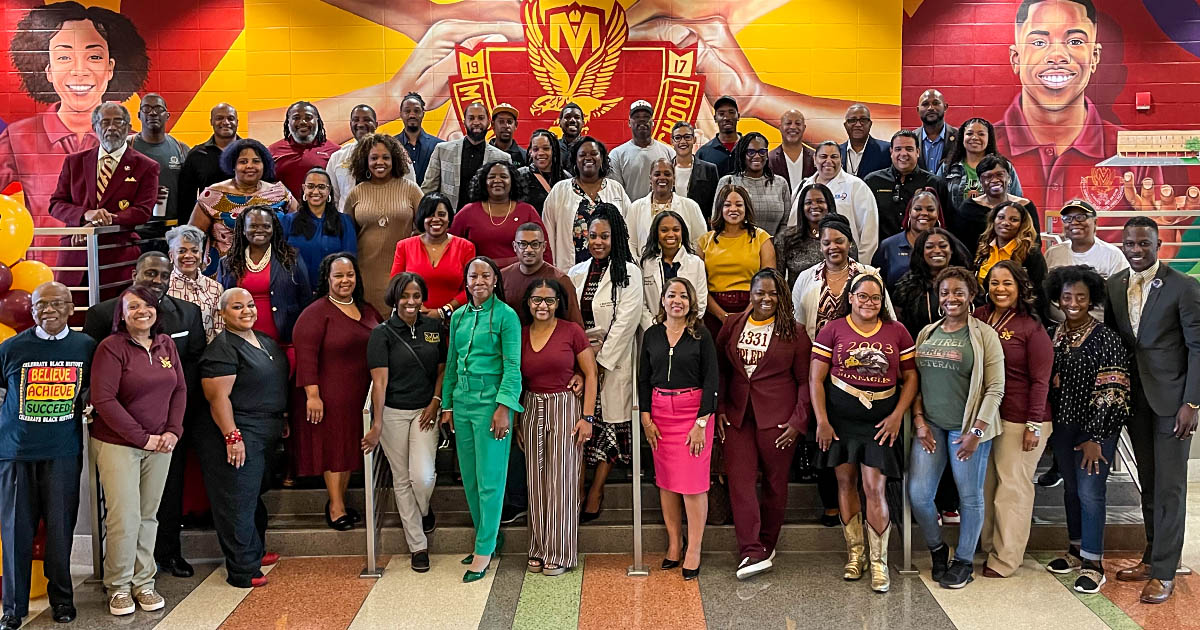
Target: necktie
column 106, row 170
column 1135, row 301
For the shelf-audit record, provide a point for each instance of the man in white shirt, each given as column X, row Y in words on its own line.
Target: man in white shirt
column 362, row 123
column 631, row 161
column 791, row 159
column 1082, row 247
column 852, row 195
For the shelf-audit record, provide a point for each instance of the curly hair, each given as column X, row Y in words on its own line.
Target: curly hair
column 718, row 221
column 399, row 283
column 235, row 261
column 1060, row 277
column 605, row 164
column 516, row 183
column 619, row 255
column 326, row 268
column 692, row 319
column 1026, row 300
column 1026, row 234
column 852, row 286
column 304, row 223
column 320, row 137
column 229, row 157
column 359, row 166
column 785, row 310
column 30, row 49
column 429, row 204
column 955, row 272
column 958, row 151
column 652, row 249
column 739, row 156
column 560, row 294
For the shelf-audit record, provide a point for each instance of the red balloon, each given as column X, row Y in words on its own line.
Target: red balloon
column 14, row 310
column 5, row 278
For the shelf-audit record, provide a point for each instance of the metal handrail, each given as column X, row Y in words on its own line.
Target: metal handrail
column 638, row 568
column 371, row 460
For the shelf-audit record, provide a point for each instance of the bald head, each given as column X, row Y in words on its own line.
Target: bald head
column 232, row 294
column 791, row 127
column 224, row 120
column 932, row 109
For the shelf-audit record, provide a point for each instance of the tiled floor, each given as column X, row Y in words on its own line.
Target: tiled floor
column 804, row 591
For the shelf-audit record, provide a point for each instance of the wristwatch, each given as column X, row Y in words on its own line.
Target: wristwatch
column 1035, row 428
column 589, row 419
column 702, row 422
column 977, row 432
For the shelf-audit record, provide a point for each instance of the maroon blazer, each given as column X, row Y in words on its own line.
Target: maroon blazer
column 130, row 197
column 778, row 163
column 779, row 387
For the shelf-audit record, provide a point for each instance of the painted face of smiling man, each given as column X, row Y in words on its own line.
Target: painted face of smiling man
column 1055, row 53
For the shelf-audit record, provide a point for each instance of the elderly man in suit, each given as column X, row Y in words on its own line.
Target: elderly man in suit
column 1156, row 310
column 862, row 153
column 455, row 162
column 109, row 185
column 181, row 320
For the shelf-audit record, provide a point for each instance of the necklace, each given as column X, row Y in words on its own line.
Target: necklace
column 492, row 213
column 349, row 302
column 656, row 207
column 262, row 264
column 1072, row 337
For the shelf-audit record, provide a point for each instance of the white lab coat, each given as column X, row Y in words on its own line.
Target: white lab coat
column 620, row 319
column 691, row 267
column 855, row 202
column 639, row 221
column 558, row 214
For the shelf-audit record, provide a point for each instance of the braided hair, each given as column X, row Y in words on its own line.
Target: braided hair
column 320, row 137
column 235, row 261
column 619, row 255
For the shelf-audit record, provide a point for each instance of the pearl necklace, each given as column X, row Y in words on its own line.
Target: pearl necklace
column 262, row 264
column 349, row 302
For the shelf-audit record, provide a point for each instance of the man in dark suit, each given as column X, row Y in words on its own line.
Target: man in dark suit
column 183, row 322
column 937, row 136
column 113, row 184
column 1156, row 310
column 862, row 154
column 702, row 176
column 791, row 159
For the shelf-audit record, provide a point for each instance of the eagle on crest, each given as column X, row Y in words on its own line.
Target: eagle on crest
column 588, row 86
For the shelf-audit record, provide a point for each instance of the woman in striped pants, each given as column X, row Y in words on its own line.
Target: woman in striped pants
column 555, row 424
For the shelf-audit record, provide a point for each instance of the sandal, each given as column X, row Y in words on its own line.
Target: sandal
column 535, row 565
column 552, row 570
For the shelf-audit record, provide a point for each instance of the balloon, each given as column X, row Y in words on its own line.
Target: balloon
column 6, row 332
column 14, row 310
column 5, row 278
column 16, row 230
column 28, row 275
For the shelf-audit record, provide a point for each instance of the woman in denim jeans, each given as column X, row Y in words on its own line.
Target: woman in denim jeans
column 957, row 413
column 1089, row 400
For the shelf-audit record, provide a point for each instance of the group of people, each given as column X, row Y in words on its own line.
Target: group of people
column 534, row 294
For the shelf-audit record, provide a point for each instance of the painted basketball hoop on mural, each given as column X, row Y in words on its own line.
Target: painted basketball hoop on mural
column 577, row 52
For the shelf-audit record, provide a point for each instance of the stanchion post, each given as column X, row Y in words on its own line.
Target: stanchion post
column 372, row 570
column 638, row 568
column 906, row 512
column 94, row 500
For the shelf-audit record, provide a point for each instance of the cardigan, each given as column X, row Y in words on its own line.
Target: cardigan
column 987, row 376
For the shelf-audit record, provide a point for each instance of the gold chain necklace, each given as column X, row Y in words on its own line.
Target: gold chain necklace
column 492, row 213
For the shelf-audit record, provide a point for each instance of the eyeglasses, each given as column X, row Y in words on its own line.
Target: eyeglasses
column 1075, row 218
column 528, row 244
column 758, row 152
column 538, row 300
column 320, row 187
column 682, row 137
column 896, row 193
column 873, row 299
column 56, row 305
column 858, row 121
column 156, row 109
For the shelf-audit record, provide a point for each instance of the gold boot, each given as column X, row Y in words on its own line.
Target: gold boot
column 880, row 581
column 856, row 553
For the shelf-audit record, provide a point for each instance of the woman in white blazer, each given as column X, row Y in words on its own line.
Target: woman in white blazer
column 853, row 196
column 668, row 252
column 571, row 202
column 610, row 300
column 819, row 291
column 662, row 197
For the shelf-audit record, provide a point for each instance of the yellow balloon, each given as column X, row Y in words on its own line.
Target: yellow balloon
column 16, row 230
column 30, row 274
column 6, row 332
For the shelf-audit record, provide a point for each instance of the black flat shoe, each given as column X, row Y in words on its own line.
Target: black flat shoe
column 691, row 574
column 10, row 622
column 177, row 567
column 420, row 561
column 64, row 613
column 429, row 522
column 343, row 524
column 353, row 514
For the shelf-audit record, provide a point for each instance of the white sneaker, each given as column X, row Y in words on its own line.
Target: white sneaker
column 149, row 600
column 749, row 568
column 120, row 604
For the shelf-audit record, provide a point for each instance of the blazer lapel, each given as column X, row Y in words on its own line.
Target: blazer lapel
column 1152, row 298
column 1120, row 300
column 90, row 161
column 117, row 180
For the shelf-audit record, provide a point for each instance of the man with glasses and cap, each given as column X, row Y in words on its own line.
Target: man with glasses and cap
column 504, row 124
column 632, row 160
column 1082, row 247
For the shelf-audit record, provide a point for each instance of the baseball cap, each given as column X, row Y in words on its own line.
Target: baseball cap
column 640, row 105
column 1079, row 204
column 504, row 108
column 725, row 100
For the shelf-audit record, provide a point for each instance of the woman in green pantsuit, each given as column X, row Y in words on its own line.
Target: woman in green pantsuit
column 483, row 380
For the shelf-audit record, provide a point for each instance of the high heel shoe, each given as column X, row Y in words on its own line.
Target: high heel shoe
column 691, row 574
column 668, row 564
column 474, row 576
column 587, row 517
column 495, row 553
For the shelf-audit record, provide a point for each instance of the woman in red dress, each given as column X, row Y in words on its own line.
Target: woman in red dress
column 437, row 256
column 331, row 370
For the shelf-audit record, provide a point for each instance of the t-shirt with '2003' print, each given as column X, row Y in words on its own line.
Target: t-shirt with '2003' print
column 753, row 342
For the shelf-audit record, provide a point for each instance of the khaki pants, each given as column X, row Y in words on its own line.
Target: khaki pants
column 133, row 481
column 1008, row 497
column 411, row 453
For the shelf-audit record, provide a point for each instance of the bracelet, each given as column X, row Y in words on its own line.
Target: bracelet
column 233, row 437
column 1035, row 427
column 437, row 398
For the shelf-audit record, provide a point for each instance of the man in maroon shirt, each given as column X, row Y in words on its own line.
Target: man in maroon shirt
column 302, row 148
column 530, row 246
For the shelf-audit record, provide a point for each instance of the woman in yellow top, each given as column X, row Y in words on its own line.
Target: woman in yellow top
column 1011, row 234
column 733, row 252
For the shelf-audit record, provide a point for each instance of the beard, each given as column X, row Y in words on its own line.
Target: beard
column 476, row 135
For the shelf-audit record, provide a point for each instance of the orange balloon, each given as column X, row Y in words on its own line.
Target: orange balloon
column 30, row 274
column 6, row 332
column 16, row 230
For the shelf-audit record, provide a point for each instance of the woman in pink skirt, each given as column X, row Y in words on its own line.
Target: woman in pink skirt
column 677, row 393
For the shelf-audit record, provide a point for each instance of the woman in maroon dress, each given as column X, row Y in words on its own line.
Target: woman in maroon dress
column 331, row 355
column 491, row 220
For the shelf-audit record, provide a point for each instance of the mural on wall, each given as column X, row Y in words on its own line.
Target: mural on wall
column 1059, row 80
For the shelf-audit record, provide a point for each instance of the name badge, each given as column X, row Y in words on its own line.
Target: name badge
column 433, row 337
